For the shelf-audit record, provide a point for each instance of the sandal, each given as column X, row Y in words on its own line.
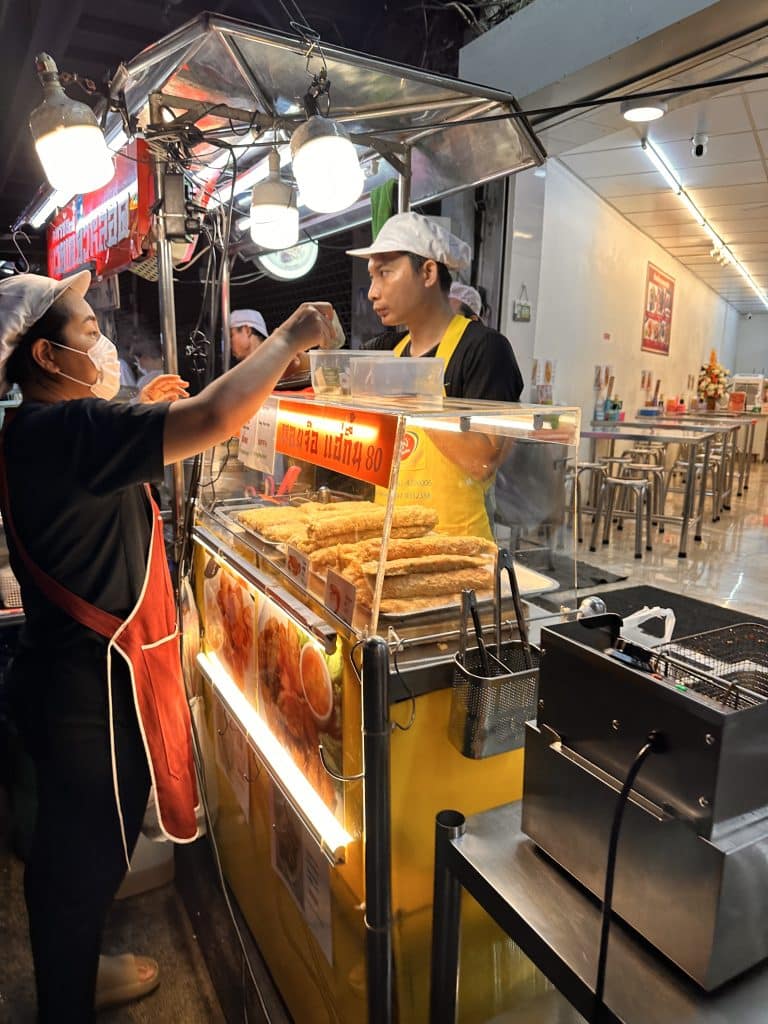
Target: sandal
column 123, row 978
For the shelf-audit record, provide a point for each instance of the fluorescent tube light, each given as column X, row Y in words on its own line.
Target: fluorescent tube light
column 726, row 256
column 658, row 162
column 333, row 836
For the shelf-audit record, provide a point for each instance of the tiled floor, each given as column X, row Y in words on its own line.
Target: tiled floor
column 154, row 923
column 729, row 566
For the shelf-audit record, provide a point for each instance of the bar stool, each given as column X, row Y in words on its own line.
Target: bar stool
column 656, row 475
column 640, row 491
column 647, row 451
column 714, row 467
column 597, row 473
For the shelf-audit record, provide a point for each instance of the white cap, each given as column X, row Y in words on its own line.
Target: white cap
column 23, row 300
column 468, row 295
column 411, row 232
column 249, row 318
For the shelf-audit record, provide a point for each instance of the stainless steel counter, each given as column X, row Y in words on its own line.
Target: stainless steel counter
column 557, row 925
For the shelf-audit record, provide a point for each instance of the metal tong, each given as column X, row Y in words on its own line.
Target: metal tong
column 503, row 562
column 469, row 608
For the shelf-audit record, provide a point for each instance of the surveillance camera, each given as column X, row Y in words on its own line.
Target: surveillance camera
column 748, row 316
column 699, row 144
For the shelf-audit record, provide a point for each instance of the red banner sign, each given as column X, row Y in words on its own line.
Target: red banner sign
column 354, row 443
column 105, row 230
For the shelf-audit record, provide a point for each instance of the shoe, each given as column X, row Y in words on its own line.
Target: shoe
column 123, row 978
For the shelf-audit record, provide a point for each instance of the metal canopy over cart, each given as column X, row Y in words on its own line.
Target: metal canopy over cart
column 242, row 87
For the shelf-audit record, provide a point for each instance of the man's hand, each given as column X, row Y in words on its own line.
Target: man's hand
column 167, row 387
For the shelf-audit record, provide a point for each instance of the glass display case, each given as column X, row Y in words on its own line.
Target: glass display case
column 379, row 515
column 335, row 542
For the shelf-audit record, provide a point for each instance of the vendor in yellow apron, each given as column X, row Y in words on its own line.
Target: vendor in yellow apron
column 427, row 477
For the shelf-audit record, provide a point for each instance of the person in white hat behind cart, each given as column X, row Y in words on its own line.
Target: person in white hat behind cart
column 96, row 688
column 465, row 300
column 247, row 330
column 410, row 266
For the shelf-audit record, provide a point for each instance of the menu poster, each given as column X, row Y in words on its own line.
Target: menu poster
column 300, row 698
column 232, row 756
column 298, row 861
column 230, row 626
column 657, row 317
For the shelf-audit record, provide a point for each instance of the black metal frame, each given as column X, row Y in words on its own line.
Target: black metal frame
column 377, row 830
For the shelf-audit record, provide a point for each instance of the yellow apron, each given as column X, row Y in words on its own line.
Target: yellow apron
column 427, row 477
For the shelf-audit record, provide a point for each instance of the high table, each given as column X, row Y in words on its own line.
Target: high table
column 694, row 439
column 747, row 421
column 729, row 430
column 557, row 925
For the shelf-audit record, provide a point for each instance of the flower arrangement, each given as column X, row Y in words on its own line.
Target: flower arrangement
column 713, row 379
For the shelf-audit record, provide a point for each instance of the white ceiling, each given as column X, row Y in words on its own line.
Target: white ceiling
column 729, row 183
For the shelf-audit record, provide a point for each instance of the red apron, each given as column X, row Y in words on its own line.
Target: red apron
column 148, row 641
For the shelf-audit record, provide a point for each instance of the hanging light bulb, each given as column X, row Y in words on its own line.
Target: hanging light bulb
column 274, row 214
column 68, row 139
column 325, row 165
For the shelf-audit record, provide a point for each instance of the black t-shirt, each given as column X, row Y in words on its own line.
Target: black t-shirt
column 74, row 474
column 482, row 366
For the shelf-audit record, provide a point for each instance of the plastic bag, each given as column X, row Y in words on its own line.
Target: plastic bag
column 632, row 631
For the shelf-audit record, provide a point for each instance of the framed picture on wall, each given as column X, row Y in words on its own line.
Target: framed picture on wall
column 657, row 314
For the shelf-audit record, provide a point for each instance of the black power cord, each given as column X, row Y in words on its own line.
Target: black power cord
column 656, row 744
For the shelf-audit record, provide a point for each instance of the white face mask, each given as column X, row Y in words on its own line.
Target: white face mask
column 104, row 357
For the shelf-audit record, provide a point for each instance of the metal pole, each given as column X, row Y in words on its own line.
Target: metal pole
column 226, row 352
column 377, row 830
column 404, row 185
column 167, row 320
column 446, row 920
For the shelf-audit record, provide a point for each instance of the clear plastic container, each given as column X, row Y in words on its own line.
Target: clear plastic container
column 399, row 377
column 331, row 373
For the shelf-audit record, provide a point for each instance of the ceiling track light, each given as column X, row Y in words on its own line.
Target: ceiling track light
column 274, row 214
column 720, row 252
column 641, row 111
column 67, row 136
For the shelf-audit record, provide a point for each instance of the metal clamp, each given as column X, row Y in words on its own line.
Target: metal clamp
column 394, row 642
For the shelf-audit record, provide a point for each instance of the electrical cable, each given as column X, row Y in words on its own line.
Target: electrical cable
column 566, row 108
column 655, row 743
column 411, row 695
column 191, row 262
column 215, row 479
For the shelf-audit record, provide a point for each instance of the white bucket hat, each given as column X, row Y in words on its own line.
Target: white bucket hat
column 413, row 233
column 23, row 300
column 468, row 295
column 249, row 318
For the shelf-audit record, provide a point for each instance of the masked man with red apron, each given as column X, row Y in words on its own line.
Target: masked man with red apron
column 410, row 264
column 96, row 686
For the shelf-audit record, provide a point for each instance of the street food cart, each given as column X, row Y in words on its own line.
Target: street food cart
column 322, row 598
column 336, row 713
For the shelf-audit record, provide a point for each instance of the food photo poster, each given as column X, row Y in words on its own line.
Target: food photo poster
column 657, row 315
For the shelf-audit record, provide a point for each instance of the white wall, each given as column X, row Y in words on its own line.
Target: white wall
column 522, row 266
column 592, row 281
column 752, row 345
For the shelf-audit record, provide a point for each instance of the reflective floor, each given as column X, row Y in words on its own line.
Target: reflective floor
column 728, row 567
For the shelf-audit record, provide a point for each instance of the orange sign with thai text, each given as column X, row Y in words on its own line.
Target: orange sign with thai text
column 354, row 443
